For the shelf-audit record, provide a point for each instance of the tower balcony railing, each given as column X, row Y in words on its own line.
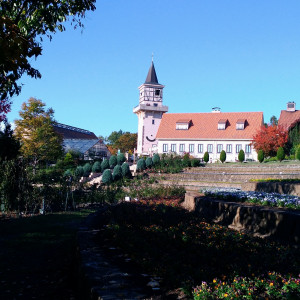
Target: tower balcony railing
column 147, row 107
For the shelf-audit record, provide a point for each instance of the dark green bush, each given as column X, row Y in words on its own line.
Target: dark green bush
column 297, row 152
column 104, row 165
column 67, row 173
column 79, row 172
column 126, row 170
column 186, row 162
column 141, row 165
column 149, row 162
column 195, row 162
column 113, row 161
column 260, row 155
column 206, row 157
column 280, row 154
column 87, row 168
column 156, row 159
column 117, row 172
column 241, row 156
column 96, row 167
column 107, row 177
column 222, row 156
column 121, row 158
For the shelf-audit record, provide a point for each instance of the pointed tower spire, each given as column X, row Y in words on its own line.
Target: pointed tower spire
column 151, row 77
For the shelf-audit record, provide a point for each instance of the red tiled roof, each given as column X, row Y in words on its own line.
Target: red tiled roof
column 205, row 126
column 288, row 119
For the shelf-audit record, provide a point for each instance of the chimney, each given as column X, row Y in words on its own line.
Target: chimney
column 216, row 110
column 291, row 106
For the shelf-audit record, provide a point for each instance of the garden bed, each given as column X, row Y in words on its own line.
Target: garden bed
column 179, row 252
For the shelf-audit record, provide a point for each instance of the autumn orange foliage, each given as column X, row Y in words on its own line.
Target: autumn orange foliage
column 269, row 139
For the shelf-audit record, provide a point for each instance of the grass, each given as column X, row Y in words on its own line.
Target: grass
column 37, row 256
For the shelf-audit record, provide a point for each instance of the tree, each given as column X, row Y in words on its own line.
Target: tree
column 273, row 121
column 96, row 167
column 9, row 145
column 87, row 169
column 126, row 142
column 106, row 176
column 222, row 156
column 23, row 23
column 269, row 139
column 280, row 154
column 206, row 157
column 260, row 156
column 297, row 155
column 114, row 136
column 39, row 141
column 241, row 156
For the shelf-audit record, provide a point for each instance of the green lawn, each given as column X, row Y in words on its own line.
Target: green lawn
column 37, row 256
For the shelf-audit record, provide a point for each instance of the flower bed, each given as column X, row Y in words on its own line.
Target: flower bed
column 182, row 251
column 260, row 198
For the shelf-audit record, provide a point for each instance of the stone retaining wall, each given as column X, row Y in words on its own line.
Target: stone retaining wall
column 260, row 221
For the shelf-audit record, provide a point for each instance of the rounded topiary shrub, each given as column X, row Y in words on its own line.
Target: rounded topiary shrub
column 113, row 161
column 67, row 173
column 96, row 167
column 156, row 159
column 106, row 176
column 149, row 162
column 297, row 153
column 206, row 157
column 104, row 165
column 241, row 156
column 186, row 162
column 260, row 155
column 126, row 170
column 141, row 165
column 222, row 156
column 280, row 154
column 121, row 158
column 79, row 172
column 117, row 172
column 195, row 162
column 87, row 169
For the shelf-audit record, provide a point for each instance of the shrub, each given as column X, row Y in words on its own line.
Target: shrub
column 149, row 162
column 297, row 155
column 186, row 162
column 141, row 165
column 107, row 177
column 104, row 165
column 117, row 172
column 68, row 159
column 87, row 168
column 113, row 161
column 121, row 158
column 195, row 162
column 67, row 173
column 206, row 157
column 280, row 154
column 241, row 156
column 260, row 155
column 126, row 170
column 222, row 156
column 79, row 172
column 96, row 167
column 156, row 159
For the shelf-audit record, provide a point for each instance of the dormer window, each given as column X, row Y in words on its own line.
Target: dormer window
column 222, row 124
column 183, row 124
column 240, row 124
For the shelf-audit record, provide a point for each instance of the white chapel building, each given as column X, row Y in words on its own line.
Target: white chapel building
column 194, row 133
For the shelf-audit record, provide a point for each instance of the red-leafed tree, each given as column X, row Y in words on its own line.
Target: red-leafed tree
column 269, row 139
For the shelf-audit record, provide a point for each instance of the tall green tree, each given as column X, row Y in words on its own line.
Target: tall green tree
column 39, row 141
column 9, row 145
column 23, row 24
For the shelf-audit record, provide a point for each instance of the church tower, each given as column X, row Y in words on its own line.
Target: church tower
column 149, row 112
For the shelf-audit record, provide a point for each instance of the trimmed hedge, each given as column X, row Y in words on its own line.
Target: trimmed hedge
column 206, row 157
column 222, row 156
column 87, row 169
column 149, row 162
column 104, row 165
column 113, row 161
column 241, row 156
column 107, row 177
column 96, row 167
column 141, row 165
column 156, row 159
column 117, row 172
column 121, row 158
column 79, row 172
column 280, row 154
column 260, row 155
column 126, row 170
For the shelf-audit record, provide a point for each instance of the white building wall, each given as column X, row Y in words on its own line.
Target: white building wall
column 214, row 156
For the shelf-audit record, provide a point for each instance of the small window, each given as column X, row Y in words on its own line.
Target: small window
column 228, row 148
column 238, row 148
column 173, row 148
column 200, row 148
column 165, row 147
column 219, row 148
column 240, row 124
column 222, row 124
column 191, row 148
column 157, row 92
column 181, row 148
column 183, row 124
column 155, row 104
column 153, row 122
column 210, row 148
column 248, row 149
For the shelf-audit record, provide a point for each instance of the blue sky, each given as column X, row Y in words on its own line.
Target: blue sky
column 237, row 55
